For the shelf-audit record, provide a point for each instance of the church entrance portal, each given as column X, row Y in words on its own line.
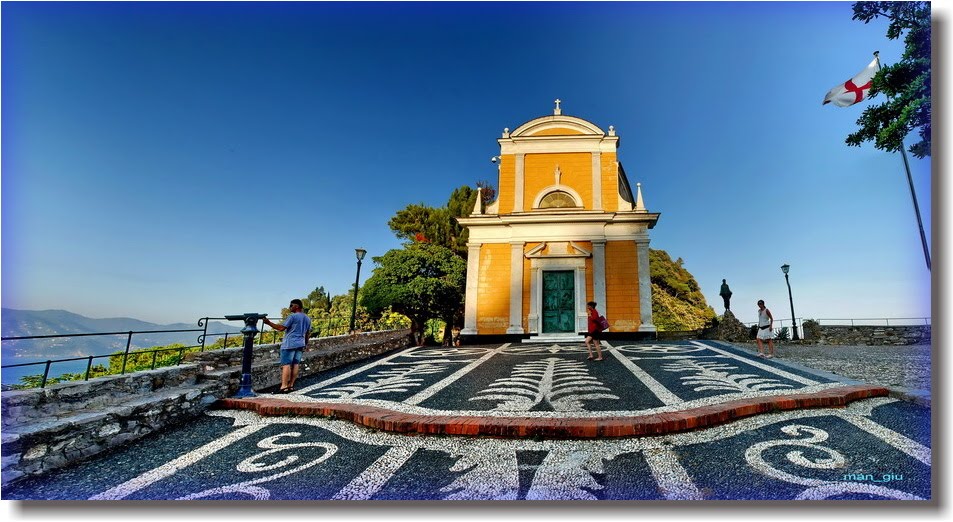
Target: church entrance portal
column 559, row 314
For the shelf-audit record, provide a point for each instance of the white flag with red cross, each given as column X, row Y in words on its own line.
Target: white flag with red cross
column 855, row 89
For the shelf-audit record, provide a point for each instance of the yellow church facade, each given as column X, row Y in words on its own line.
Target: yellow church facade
column 565, row 229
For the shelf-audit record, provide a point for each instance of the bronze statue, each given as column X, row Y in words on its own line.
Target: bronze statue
column 725, row 294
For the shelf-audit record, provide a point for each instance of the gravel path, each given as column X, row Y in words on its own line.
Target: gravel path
column 902, row 366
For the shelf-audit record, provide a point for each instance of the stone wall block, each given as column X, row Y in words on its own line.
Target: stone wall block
column 875, row 335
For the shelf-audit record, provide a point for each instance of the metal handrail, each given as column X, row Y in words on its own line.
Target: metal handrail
column 89, row 365
column 777, row 320
column 23, row 337
column 203, row 323
column 330, row 327
column 886, row 321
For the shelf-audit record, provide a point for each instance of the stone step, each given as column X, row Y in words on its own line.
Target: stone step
column 568, row 338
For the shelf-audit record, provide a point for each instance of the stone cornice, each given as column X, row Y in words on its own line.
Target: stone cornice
column 554, row 122
column 579, row 216
column 556, row 144
column 582, row 136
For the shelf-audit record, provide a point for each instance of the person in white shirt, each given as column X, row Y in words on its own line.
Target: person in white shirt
column 765, row 330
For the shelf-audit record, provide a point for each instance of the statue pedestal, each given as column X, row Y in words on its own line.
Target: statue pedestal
column 731, row 329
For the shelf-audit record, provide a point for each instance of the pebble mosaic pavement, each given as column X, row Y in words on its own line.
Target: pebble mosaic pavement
column 876, row 448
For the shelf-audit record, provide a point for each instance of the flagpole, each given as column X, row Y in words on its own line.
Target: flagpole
column 913, row 193
column 916, row 208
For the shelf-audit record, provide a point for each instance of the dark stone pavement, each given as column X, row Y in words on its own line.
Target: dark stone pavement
column 872, row 449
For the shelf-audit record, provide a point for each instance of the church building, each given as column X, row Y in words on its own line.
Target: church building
column 565, row 229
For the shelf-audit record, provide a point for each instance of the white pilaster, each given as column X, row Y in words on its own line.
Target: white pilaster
column 645, row 285
column 518, row 188
column 599, row 273
column 516, row 288
column 473, row 284
column 535, row 297
column 597, row 181
column 582, row 315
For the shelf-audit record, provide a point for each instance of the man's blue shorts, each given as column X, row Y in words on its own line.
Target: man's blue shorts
column 292, row 356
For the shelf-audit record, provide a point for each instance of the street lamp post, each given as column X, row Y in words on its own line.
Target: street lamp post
column 784, row 268
column 360, row 256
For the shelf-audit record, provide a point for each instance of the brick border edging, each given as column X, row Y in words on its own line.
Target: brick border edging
column 557, row 428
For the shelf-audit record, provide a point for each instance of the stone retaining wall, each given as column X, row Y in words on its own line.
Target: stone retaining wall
column 48, row 428
column 874, row 335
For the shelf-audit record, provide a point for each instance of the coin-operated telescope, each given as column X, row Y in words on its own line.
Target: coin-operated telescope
column 250, row 329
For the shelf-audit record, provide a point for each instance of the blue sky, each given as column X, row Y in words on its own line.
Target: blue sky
column 172, row 161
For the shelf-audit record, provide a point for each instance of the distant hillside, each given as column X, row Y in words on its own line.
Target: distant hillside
column 21, row 323
column 677, row 301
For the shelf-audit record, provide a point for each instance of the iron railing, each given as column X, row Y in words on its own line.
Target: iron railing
column 779, row 323
column 47, row 365
column 880, row 321
column 327, row 328
column 897, row 321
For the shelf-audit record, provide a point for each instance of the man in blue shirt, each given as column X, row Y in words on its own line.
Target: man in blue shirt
column 297, row 330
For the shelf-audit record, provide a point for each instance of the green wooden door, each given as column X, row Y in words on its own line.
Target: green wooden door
column 559, row 301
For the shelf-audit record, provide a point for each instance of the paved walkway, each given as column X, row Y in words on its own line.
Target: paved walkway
column 553, row 391
column 769, row 432
column 895, row 366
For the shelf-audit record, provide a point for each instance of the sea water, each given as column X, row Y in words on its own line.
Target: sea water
column 11, row 376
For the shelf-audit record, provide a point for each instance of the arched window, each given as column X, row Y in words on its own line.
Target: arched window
column 557, row 199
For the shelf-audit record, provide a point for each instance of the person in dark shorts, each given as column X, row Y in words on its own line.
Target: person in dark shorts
column 594, row 331
column 297, row 328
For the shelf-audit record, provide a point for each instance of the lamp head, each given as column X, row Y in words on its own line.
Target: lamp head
column 360, row 253
column 785, row 267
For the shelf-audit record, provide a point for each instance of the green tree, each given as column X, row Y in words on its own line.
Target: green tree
column 906, row 83
column 319, row 300
column 437, row 225
column 677, row 301
column 421, row 223
column 391, row 320
column 420, row 281
column 331, row 315
column 460, row 204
